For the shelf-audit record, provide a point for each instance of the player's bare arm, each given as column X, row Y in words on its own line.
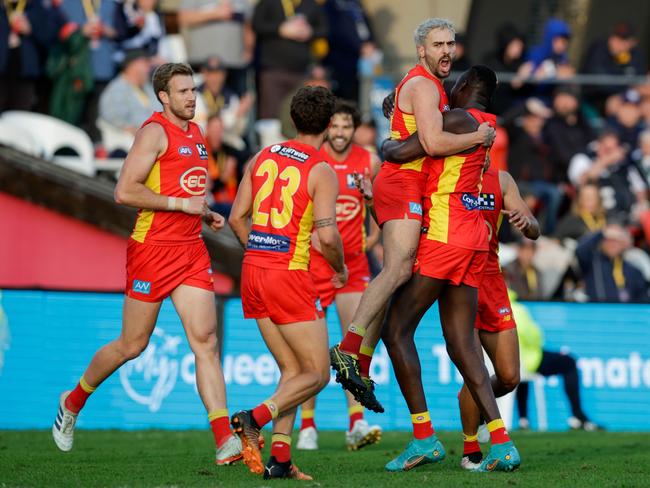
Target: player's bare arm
column 239, row 219
column 516, row 209
column 324, row 189
column 456, row 121
column 150, row 143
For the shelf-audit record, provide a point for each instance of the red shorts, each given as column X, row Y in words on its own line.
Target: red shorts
column 446, row 262
column 282, row 295
column 322, row 273
column 494, row 312
column 398, row 193
column 153, row 272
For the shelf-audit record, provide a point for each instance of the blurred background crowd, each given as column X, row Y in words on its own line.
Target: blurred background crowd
column 574, row 121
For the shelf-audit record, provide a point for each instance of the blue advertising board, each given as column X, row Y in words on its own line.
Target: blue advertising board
column 48, row 338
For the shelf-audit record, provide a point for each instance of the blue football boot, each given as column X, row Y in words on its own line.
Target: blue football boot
column 417, row 453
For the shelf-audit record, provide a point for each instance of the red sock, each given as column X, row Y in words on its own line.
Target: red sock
column 351, row 342
column 422, row 427
column 307, row 419
column 356, row 413
column 281, row 447
column 498, row 432
column 220, row 425
column 470, row 444
column 265, row 412
column 76, row 400
column 365, row 358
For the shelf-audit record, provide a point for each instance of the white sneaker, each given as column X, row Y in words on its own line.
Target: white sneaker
column 362, row 435
column 483, row 434
column 467, row 464
column 230, row 452
column 63, row 428
column 307, row 439
column 524, row 424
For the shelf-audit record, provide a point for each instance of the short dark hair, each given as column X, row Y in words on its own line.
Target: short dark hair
column 348, row 108
column 483, row 78
column 166, row 72
column 311, row 109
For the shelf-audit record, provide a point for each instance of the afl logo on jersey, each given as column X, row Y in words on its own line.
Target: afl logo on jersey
column 194, row 180
column 347, row 208
column 185, row 151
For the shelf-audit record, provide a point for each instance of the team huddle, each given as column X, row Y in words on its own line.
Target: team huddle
column 300, row 214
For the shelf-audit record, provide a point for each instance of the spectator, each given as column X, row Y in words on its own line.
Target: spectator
column 351, row 41
column 461, row 61
column 318, row 76
column 537, row 360
column 138, row 25
column 587, row 215
column 95, row 19
column 508, row 57
column 626, row 121
column 366, row 134
column 608, row 277
column 220, row 28
column 28, row 29
column 641, row 156
column 522, row 275
column 566, row 133
column 616, row 55
column 284, row 32
column 129, row 99
column 608, row 166
column 222, row 167
column 215, row 98
column 528, row 160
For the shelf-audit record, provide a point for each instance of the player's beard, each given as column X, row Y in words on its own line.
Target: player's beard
column 436, row 68
column 336, row 149
column 184, row 111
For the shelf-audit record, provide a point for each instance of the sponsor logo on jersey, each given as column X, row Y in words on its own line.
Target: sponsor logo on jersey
column 289, row 152
column 484, row 201
column 143, row 287
column 203, row 152
column 347, row 208
column 185, row 151
column 194, row 180
column 415, row 208
column 261, row 241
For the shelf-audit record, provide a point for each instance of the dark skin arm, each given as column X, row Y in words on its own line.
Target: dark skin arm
column 456, row 121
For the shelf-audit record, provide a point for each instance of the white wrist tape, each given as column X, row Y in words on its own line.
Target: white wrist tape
column 186, row 204
column 171, row 203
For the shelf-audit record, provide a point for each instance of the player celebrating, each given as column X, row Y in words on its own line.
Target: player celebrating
column 398, row 189
column 287, row 190
column 347, row 160
column 164, row 175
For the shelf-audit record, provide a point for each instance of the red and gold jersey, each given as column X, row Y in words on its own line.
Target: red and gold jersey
column 491, row 200
column 282, row 216
column 350, row 205
column 402, row 124
column 453, row 199
column 182, row 171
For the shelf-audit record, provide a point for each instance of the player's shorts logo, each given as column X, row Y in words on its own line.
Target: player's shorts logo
column 319, row 307
column 504, row 310
column 415, row 208
column 347, row 208
column 194, row 180
column 185, row 151
column 143, row 287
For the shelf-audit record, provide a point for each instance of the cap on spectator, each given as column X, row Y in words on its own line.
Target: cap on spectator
column 534, row 106
column 624, row 30
column 213, row 63
column 631, row 96
column 133, row 55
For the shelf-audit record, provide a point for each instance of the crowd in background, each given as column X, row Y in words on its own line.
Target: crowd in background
column 580, row 154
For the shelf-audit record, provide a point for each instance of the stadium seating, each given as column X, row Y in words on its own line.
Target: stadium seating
column 12, row 135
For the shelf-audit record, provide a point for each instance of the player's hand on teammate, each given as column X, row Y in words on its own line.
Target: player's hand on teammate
column 388, row 105
column 214, row 220
column 518, row 219
column 363, row 183
column 486, row 133
column 340, row 279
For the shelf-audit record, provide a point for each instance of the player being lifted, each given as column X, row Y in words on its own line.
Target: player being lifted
column 398, row 189
column 347, row 159
column 164, row 175
column 287, row 191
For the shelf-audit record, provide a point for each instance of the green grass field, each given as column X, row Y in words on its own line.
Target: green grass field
column 164, row 459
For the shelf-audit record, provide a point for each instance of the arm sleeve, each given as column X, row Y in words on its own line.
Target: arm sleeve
column 586, row 249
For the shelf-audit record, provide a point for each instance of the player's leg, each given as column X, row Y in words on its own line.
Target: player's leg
column 503, row 350
column 308, row 435
column 279, row 464
column 138, row 321
column 400, row 238
column 407, row 308
column 359, row 433
column 457, row 315
column 197, row 311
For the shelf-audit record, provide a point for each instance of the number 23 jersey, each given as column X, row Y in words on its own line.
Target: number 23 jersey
column 282, row 215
